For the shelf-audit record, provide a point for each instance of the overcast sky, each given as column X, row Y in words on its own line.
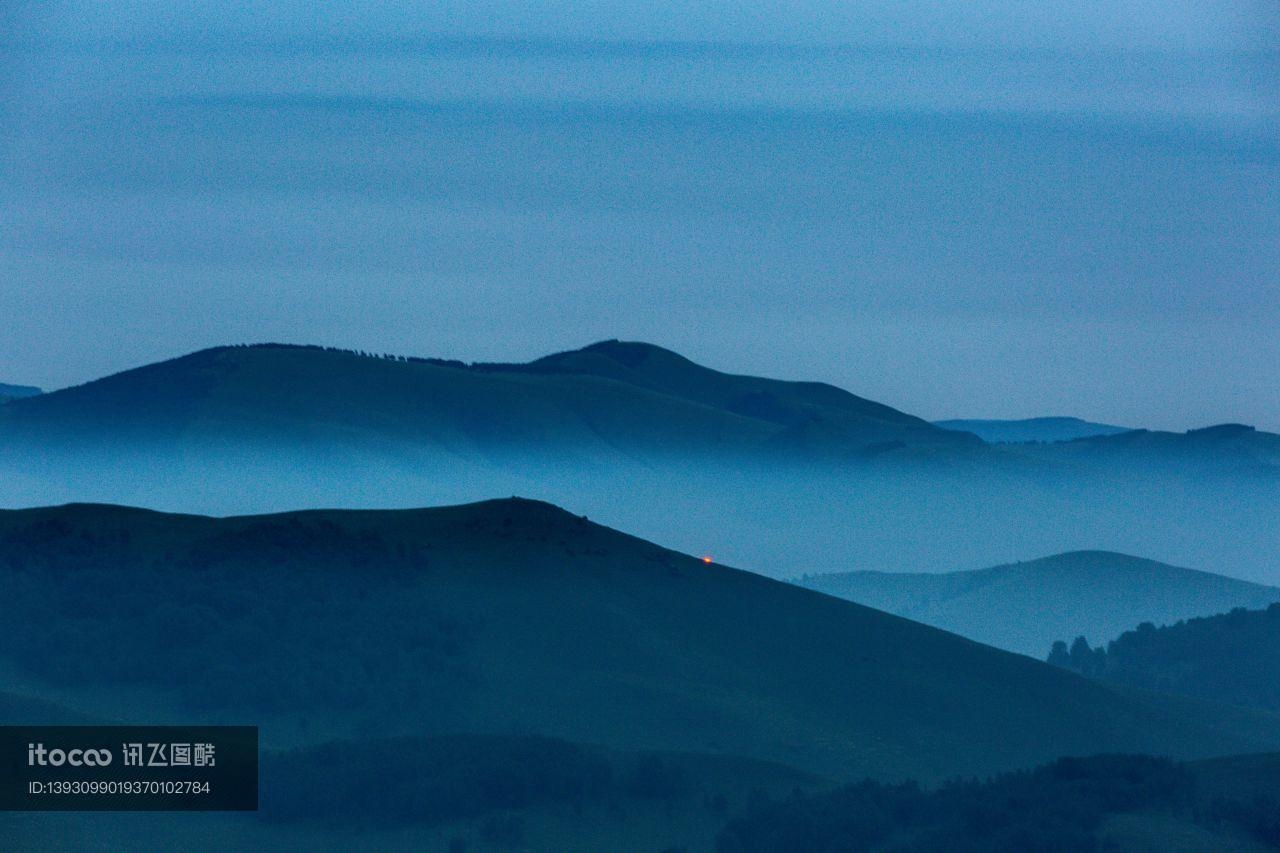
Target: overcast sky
column 1161, row 24
column 987, row 209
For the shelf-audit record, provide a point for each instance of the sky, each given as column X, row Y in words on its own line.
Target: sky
column 988, row 209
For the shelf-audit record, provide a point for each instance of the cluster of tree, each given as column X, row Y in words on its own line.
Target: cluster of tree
column 1081, row 657
column 385, row 356
column 1232, row 657
column 1058, row 807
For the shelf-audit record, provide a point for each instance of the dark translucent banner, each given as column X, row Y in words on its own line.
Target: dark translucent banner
column 128, row 768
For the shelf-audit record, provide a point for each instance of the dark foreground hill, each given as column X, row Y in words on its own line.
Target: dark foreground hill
column 1024, row 607
column 1230, row 657
column 514, row 616
column 507, row 676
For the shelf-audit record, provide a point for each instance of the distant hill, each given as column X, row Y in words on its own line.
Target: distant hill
column 516, row 617
column 14, row 392
column 1031, row 429
column 1231, row 657
column 1024, row 607
column 1216, row 450
column 611, row 397
column 786, row 476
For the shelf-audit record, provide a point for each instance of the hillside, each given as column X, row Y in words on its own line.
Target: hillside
column 516, row 616
column 1031, row 429
column 1024, row 607
column 1230, row 657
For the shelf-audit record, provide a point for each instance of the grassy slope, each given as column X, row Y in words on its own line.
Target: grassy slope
column 569, row 630
column 1024, row 607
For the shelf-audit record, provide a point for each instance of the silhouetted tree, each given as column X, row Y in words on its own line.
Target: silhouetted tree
column 1059, row 656
column 1082, row 658
column 1081, row 654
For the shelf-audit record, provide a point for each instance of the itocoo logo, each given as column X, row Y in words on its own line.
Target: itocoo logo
column 37, row 755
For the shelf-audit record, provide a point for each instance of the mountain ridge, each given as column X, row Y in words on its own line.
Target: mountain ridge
column 715, row 410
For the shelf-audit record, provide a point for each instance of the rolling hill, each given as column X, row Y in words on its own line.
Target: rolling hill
column 1024, row 607
column 514, row 616
column 611, row 397
column 789, row 477
column 1031, row 429
column 1215, row 450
